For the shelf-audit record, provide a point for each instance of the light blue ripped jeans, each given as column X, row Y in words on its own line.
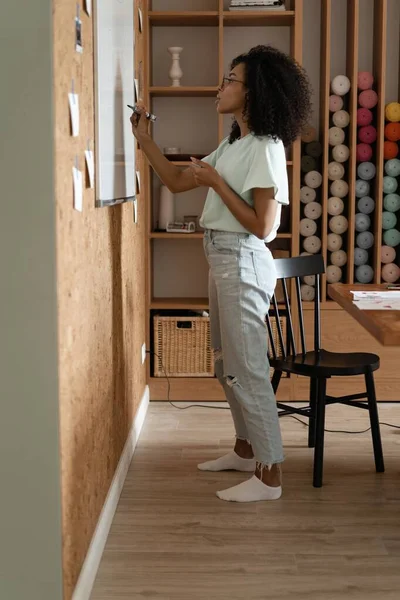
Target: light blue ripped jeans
column 242, row 281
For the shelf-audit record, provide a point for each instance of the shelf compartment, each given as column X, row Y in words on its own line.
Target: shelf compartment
column 183, row 91
column 258, row 18
column 183, row 18
column 179, row 303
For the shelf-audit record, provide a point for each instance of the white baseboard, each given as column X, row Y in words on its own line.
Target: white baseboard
column 90, row 566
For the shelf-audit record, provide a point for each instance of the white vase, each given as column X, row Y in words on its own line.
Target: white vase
column 175, row 72
column 166, row 208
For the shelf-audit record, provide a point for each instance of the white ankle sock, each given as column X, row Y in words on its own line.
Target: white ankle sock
column 252, row 490
column 229, row 462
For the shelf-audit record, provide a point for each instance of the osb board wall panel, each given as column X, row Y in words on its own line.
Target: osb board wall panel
column 101, row 285
column 341, row 333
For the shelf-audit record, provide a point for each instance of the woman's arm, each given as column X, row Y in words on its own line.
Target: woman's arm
column 258, row 219
column 172, row 176
column 176, row 179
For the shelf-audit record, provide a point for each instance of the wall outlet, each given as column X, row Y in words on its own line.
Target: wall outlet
column 143, row 353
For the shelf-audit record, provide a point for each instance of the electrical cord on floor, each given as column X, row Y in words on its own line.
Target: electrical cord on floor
column 227, row 408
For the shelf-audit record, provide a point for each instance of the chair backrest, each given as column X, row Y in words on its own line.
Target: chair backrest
column 287, row 269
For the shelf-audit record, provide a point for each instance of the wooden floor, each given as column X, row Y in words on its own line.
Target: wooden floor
column 172, row 538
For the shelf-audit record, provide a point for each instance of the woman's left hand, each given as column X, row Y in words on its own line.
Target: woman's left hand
column 204, row 173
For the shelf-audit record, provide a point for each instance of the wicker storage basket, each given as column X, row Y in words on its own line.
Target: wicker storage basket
column 183, row 347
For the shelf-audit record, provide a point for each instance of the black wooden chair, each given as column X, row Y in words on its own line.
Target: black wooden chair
column 317, row 364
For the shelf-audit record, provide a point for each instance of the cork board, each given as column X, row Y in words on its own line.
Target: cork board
column 101, row 304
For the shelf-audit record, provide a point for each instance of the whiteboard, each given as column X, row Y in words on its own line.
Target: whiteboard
column 114, row 89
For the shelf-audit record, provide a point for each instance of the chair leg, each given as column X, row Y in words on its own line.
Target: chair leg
column 276, row 378
column 374, row 420
column 319, row 434
column 313, row 410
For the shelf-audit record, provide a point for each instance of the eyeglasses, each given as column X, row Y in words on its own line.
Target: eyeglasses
column 228, row 81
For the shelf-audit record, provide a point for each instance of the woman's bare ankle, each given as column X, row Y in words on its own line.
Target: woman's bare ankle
column 270, row 476
column 243, row 449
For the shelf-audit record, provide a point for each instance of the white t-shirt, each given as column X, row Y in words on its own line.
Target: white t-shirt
column 250, row 162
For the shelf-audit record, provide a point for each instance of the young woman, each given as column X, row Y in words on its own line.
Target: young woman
column 268, row 94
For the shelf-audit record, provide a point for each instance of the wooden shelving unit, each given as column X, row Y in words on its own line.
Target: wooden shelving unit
column 183, row 92
column 380, row 55
column 259, row 18
column 172, row 18
column 337, row 327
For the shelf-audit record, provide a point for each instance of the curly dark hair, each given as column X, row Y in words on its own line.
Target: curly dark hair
column 278, row 98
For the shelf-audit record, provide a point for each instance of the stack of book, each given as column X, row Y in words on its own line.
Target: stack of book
column 257, row 5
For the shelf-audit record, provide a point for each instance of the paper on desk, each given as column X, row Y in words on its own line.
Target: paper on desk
column 376, row 294
column 378, row 304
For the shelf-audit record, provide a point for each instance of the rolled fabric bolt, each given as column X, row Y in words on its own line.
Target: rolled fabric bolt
column 365, row 80
column 333, row 274
column 390, row 150
column 360, row 256
column 366, row 205
column 368, row 99
column 313, row 149
column 392, row 132
column 365, row 240
column 335, row 206
column 308, row 134
column 335, row 103
column 312, row 244
column 339, row 188
column 362, row 222
column 341, row 118
column 313, row 179
column 389, row 184
column 366, row 171
column 334, row 242
column 308, row 163
column 307, row 227
column 340, row 153
column 340, row 85
column 391, row 237
column 338, row 224
column 362, row 188
column 363, row 152
column 392, row 112
column 335, row 171
column 390, row 273
column 307, row 194
column 313, row 210
column 336, row 136
column 364, row 274
column 364, row 117
column 339, row 258
column 309, row 279
column 392, row 167
column 391, row 202
column 367, row 134
column 389, row 220
column 307, row 292
column 388, row 254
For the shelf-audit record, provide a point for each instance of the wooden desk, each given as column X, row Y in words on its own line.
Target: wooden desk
column 384, row 325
